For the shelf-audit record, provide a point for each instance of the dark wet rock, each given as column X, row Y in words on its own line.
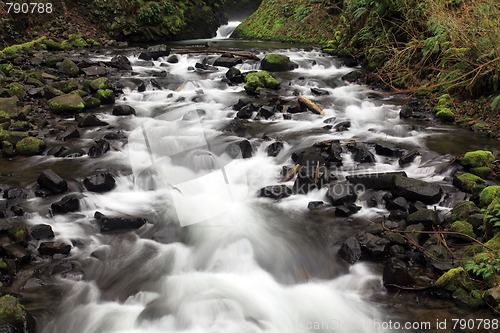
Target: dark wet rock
column 476, row 220
column 340, row 193
column 141, row 87
column 361, row 154
column 408, row 158
column 396, row 273
column 95, row 71
column 235, row 76
column 315, row 205
column 69, row 103
column 406, row 112
column 414, row 232
column 100, row 183
column 100, row 148
column 266, row 111
column 372, row 246
column 118, row 223
column 355, row 76
column 70, row 133
column 310, row 157
column 15, row 193
column 275, row 148
column 144, row 63
column 16, row 252
column 247, row 111
column 375, row 181
column 415, row 189
column 427, row 217
column 205, row 67
column 123, row 110
column 462, row 210
column 415, row 206
column 319, row 92
column 69, row 203
column 89, row 120
column 237, row 127
column 335, row 153
column 50, row 180
column 41, row 231
column 305, row 182
column 241, row 103
column 117, row 135
column 71, row 153
column 52, row 248
column 91, row 102
column 173, row 59
column 228, row 62
column 342, row 126
column 155, row 52
column 346, row 209
column 246, row 149
column 275, row 192
column 350, row 251
column 388, row 149
column 120, row 62
column 398, row 203
column 68, row 67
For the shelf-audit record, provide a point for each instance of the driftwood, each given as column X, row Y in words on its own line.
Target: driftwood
column 291, row 173
column 236, row 54
column 310, row 105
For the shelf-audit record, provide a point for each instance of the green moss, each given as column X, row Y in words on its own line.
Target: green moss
column 101, row 83
column 470, row 299
column 468, row 182
column 69, row 103
column 276, row 62
column 4, row 117
column 68, row 67
column 52, row 45
column 445, row 115
column 66, row 86
column 8, row 148
column 463, row 210
column 494, row 243
column 11, row 311
column 17, row 89
column 483, row 172
column 478, row 158
column 30, row 146
column 12, row 137
column 77, row 41
column 14, row 49
column 20, row 126
column 6, row 69
column 489, row 194
column 463, row 227
column 262, row 79
column 104, row 93
column 453, row 279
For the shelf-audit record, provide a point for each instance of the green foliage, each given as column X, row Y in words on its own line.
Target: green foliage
column 489, row 194
column 153, row 12
column 287, row 10
column 485, row 265
column 492, row 215
column 11, row 311
column 495, row 104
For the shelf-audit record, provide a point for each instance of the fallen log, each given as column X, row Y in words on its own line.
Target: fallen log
column 310, row 105
column 291, row 173
column 236, row 54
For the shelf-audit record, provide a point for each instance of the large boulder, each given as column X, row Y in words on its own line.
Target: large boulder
column 69, row 103
column 102, row 182
column 30, row 146
column 478, row 158
column 350, row 250
column 427, row 217
column 276, row 63
column 69, row 203
column 375, row 181
column 341, row 193
column 468, row 182
column 52, row 248
column 50, row 180
column 41, row 231
column 225, row 61
column 396, row 273
column 68, row 67
column 416, row 190
column 120, row 223
column 254, row 82
column 120, row 62
column 463, row 209
column 123, row 110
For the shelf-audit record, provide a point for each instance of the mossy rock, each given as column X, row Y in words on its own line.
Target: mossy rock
column 445, row 115
column 66, row 86
column 77, row 41
column 494, row 243
column 462, row 227
column 19, row 233
column 11, row 311
column 17, row 89
column 12, row 137
column 8, row 149
column 9, row 105
column 453, row 279
column 478, row 158
column 91, row 102
column 30, row 146
column 483, row 172
column 469, row 299
column 17, row 48
column 20, row 126
column 101, row 83
column 69, row 103
column 463, row 210
column 276, row 63
column 7, row 69
column 106, row 96
column 52, row 45
column 260, row 80
column 468, row 182
column 4, row 117
column 68, row 67
column 51, row 92
column 489, row 194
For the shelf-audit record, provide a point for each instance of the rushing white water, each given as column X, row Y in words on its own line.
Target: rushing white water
column 226, row 30
column 244, row 264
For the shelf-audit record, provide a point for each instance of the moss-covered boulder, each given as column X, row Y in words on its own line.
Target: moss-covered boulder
column 106, row 96
column 51, row 92
column 17, row 89
column 7, row 69
column 20, row 126
column 276, row 63
column 469, row 299
column 11, row 311
column 30, row 146
column 11, row 136
column 260, row 80
column 478, row 158
column 445, row 115
column 101, row 83
column 91, row 102
column 52, row 45
column 453, row 279
column 77, row 41
column 463, row 209
column 68, row 67
column 489, row 194
column 69, row 103
column 468, row 182
column 462, row 227
column 483, row 172
column 66, row 86
column 9, row 105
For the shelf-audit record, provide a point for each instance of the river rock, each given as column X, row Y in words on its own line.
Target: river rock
column 414, row 232
column 315, row 205
column 388, row 149
column 100, row 148
column 89, row 120
column 235, row 76
column 346, row 209
column 350, row 251
column 319, row 92
column 340, row 193
column 69, row 203
column 275, row 148
column 30, row 146
column 225, row 61
column 123, row 110
column 41, row 231
column 361, row 154
column 70, row 133
column 100, row 183
column 396, row 273
column 266, row 111
column 71, row 153
column 68, row 67
column 415, row 189
column 427, row 217
column 342, row 126
column 114, row 224
column 95, row 71
column 408, row 158
column 52, row 248
column 120, row 62
column 16, row 252
column 69, row 103
column 241, row 103
column 372, row 246
column 276, row 63
column 275, row 192
column 398, row 203
column 173, row 59
column 154, row 52
column 50, row 180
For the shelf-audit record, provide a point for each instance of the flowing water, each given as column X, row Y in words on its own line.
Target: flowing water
column 215, row 257
column 225, row 31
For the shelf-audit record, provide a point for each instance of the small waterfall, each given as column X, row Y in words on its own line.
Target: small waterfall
column 225, row 31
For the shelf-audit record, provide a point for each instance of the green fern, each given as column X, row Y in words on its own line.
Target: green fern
column 495, row 104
